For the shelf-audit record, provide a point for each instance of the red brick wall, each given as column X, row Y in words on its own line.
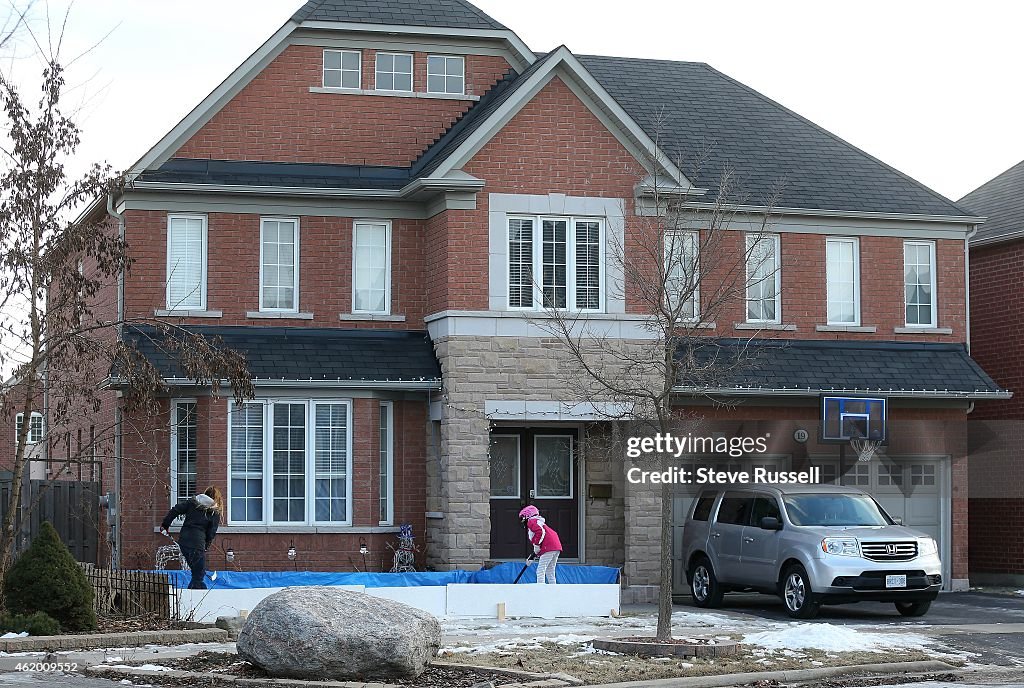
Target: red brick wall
column 325, row 270
column 276, row 118
column 147, row 496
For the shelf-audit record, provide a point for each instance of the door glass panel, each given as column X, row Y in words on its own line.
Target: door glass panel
column 553, row 466
column 735, row 508
column 505, row 466
column 764, row 507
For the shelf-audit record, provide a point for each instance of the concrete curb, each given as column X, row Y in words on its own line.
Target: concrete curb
column 93, row 641
column 791, row 676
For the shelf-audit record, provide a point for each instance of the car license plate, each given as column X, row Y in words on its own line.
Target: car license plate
column 895, row 581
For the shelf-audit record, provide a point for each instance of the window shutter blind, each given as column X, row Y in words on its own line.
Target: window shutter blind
column 186, row 253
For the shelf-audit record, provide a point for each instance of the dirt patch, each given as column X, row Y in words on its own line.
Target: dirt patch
column 108, row 624
column 596, row 667
column 867, row 681
column 230, row 664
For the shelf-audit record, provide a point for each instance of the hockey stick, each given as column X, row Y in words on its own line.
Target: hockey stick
column 525, row 566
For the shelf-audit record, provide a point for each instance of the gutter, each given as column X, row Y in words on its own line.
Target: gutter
column 115, row 541
column 398, row 385
column 808, row 392
column 406, row 192
column 853, row 214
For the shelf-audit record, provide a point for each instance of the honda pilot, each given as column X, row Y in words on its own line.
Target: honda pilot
column 809, row 544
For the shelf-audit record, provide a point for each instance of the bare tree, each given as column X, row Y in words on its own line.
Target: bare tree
column 680, row 262
column 61, row 328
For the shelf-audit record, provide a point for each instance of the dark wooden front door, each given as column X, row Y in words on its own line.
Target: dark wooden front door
column 533, row 466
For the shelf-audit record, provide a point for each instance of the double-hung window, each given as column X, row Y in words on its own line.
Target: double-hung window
column 555, row 262
column 394, row 72
column 682, row 274
column 290, row 462
column 35, row 427
column 184, row 450
column 279, row 264
column 342, row 69
column 919, row 283
column 763, row 278
column 446, row 74
column 842, row 267
column 371, row 267
column 186, row 262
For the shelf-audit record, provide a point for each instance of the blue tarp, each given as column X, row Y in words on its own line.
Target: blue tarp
column 503, row 573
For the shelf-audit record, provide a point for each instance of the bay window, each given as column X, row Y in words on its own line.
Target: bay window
column 290, row 462
column 555, row 262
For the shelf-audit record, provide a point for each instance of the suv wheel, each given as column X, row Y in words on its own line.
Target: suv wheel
column 704, row 585
column 913, row 608
column 796, row 594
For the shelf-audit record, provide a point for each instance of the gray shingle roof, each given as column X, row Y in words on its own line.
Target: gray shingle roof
column 287, row 174
column 1001, row 200
column 309, row 353
column 452, row 14
column 762, row 141
column 884, row 368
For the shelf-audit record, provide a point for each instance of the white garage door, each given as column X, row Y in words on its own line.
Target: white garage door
column 914, row 490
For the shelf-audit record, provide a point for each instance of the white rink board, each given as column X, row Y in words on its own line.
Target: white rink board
column 532, row 600
column 456, row 600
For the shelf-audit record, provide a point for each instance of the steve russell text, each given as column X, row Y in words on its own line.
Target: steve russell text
column 710, row 476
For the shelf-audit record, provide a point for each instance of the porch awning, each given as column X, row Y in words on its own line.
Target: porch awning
column 777, row 367
column 310, row 356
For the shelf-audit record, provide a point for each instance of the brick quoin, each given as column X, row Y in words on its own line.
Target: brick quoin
column 276, row 117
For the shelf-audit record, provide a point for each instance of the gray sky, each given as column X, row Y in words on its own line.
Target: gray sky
column 931, row 87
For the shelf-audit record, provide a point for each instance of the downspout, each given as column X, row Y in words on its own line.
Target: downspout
column 967, row 286
column 115, row 536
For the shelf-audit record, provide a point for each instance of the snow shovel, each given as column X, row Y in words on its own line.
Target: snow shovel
column 525, row 566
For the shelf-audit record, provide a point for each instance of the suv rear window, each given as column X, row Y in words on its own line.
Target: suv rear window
column 702, row 512
column 735, row 508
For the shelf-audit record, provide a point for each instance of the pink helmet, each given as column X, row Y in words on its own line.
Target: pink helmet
column 529, row 512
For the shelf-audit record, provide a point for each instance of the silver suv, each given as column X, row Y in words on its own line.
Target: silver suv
column 809, row 544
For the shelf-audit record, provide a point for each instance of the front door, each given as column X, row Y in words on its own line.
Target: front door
column 533, row 466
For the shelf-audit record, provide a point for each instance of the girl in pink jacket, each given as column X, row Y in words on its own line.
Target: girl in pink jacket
column 545, row 543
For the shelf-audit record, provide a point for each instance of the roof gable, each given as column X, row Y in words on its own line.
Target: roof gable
column 1001, row 200
column 704, row 115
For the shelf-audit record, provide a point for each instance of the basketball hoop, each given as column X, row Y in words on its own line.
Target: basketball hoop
column 866, row 449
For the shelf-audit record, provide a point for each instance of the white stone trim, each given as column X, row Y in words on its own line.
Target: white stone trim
column 530, row 324
column 391, row 94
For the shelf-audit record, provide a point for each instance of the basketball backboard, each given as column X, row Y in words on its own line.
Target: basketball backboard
column 849, row 418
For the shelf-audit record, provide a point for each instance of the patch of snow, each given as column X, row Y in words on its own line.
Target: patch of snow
column 12, row 634
column 832, row 638
column 1020, row 592
column 144, row 667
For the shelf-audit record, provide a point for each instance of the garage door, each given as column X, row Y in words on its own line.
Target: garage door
column 911, row 489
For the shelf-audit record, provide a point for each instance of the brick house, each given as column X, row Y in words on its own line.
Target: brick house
column 355, row 207
column 997, row 427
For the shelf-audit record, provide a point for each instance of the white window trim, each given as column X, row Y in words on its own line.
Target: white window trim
column 310, row 521
column 445, row 75
column 856, row 281
column 570, row 262
column 519, row 466
column 933, row 284
column 169, row 268
column 572, row 467
column 697, row 312
column 387, row 256
column 389, row 408
column 19, row 419
column 412, row 71
column 174, row 447
column 295, row 270
column 359, row 72
column 777, row 278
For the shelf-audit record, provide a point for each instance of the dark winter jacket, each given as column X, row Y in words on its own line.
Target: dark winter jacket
column 201, row 521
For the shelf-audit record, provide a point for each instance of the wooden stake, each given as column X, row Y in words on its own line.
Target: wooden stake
column 501, row 612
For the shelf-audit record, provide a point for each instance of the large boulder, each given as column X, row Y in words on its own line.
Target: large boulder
column 332, row 633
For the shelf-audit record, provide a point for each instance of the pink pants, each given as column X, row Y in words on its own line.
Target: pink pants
column 546, row 567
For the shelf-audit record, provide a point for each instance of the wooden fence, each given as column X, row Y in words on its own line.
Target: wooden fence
column 71, row 506
column 131, row 594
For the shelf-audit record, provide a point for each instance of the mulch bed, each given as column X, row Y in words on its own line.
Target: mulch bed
column 113, row 624
column 231, row 664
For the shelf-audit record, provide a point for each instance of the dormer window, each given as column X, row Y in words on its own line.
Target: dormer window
column 342, row 68
column 394, row 72
column 446, row 74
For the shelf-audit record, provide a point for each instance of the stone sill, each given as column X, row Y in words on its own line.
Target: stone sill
column 580, row 316
column 765, row 326
column 922, row 330
column 275, row 315
column 298, row 530
column 371, row 317
column 392, row 94
column 187, row 314
column 846, row 328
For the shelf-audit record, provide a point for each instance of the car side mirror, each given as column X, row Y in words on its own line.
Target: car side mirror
column 898, row 521
column 770, row 523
